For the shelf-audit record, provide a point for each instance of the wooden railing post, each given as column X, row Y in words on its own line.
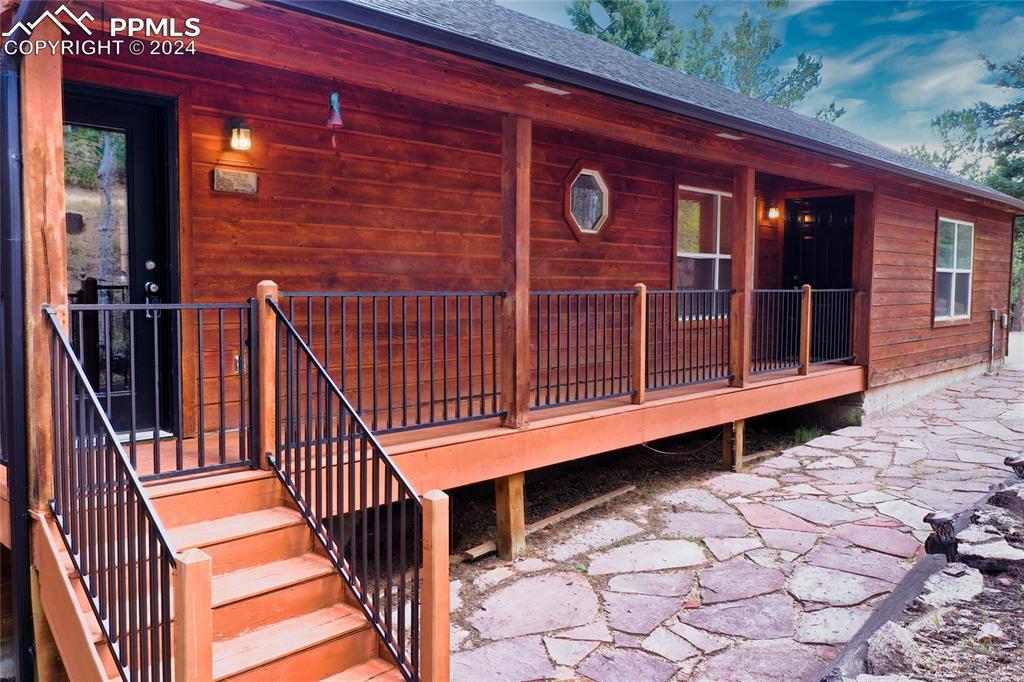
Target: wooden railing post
column 858, row 328
column 639, row 344
column 805, row 329
column 436, row 607
column 267, row 350
column 193, row 617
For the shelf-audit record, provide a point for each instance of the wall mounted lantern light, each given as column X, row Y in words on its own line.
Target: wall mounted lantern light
column 773, row 212
column 241, row 135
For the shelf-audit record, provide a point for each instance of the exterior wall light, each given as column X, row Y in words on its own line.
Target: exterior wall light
column 773, row 213
column 241, row 135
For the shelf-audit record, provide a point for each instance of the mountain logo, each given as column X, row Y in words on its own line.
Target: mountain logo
column 55, row 18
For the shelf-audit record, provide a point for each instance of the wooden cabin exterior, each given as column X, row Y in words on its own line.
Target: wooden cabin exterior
column 222, row 417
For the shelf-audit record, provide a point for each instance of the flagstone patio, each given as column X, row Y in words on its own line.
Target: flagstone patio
column 760, row 575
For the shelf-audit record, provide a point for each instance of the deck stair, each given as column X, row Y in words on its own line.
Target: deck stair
column 280, row 609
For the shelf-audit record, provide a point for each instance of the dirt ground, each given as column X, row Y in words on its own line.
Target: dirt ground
column 952, row 651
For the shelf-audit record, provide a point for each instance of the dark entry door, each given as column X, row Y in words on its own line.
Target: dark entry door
column 819, row 243
column 121, row 249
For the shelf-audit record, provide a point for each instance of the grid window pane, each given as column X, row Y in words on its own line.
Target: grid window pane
column 947, row 237
column 962, row 294
column 943, row 293
column 696, row 223
column 695, row 273
column 964, row 246
column 725, row 273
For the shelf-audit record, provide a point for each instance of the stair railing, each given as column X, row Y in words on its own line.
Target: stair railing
column 365, row 514
column 112, row 532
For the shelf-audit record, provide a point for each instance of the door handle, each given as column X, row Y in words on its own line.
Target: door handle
column 152, row 288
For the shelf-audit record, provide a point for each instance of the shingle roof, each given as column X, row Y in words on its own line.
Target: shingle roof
column 483, row 29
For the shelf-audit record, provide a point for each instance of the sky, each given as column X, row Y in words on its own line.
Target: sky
column 893, row 65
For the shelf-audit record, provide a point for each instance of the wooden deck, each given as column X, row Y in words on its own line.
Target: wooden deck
column 459, row 454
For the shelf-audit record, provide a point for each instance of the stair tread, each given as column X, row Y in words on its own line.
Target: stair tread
column 247, row 582
column 212, row 532
column 264, row 645
column 167, row 488
column 376, row 669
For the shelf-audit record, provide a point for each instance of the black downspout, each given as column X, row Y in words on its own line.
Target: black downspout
column 12, row 290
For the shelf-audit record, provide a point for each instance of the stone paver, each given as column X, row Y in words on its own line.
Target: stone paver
column 738, row 579
column 537, row 604
column 833, row 587
column 673, row 584
column 771, row 616
column 649, row 555
column 754, row 576
column 617, row 665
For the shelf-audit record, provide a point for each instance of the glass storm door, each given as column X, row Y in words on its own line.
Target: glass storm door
column 115, row 182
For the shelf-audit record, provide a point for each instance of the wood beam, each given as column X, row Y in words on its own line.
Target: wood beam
column 511, row 506
column 516, row 154
column 436, row 629
column 744, row 232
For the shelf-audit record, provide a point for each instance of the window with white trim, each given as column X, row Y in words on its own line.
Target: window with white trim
column 703, row 239
column 954, row 266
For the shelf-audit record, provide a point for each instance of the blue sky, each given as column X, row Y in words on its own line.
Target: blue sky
column 893, row 65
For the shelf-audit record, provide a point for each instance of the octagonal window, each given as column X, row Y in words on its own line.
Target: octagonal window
column 588, row 201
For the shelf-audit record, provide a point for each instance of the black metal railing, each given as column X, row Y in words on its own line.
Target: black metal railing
column 365, row 514
column 687, row 337
column 775, row 331
column 409, row 359
column 112, row 533
column 174, row 380
column 581, row 342
column 831, row 325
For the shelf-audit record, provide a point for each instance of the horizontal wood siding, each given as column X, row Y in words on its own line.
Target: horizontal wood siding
column 905, row 343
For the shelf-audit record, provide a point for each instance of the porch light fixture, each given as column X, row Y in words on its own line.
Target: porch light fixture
column 334, row 120
column 241, row 135
column 773, row 213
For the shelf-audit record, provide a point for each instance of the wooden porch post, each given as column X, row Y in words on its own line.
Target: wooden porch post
column 805, row 328
column 45, row 271
column 516, row 154
column 864, row 209
column 510, row 497
column 743, row 235
column 267, row 348
column 436, row 621
column 732, row 444
column 639, row 344
column 193, row 617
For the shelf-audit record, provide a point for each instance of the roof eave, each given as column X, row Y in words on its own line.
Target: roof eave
column 381, row 21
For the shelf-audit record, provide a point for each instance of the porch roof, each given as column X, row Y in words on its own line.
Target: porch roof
column 486, row 31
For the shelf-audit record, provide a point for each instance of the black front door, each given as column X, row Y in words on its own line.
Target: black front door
column 819, row 243
column 120, row 244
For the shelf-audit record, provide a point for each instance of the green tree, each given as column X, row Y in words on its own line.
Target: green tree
column 641, row 26
column 739, row 58
column 986, row 142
